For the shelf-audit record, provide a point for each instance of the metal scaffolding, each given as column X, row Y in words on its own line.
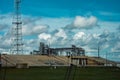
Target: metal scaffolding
column 17, row 44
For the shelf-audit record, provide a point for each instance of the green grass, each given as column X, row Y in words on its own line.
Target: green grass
column 46, row 73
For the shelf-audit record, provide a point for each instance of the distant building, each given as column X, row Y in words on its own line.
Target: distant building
column 46, row 50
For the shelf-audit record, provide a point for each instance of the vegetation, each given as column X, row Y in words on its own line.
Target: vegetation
column 49, row 73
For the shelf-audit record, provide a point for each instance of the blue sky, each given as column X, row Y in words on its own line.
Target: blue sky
column 60, row 22
column 103, row 9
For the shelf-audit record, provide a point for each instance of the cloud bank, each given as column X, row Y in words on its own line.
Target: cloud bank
column 79, row 31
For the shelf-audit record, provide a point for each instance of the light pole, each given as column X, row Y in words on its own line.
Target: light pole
column 98, row 50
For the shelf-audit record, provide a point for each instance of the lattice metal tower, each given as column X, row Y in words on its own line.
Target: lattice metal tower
column 17, row 43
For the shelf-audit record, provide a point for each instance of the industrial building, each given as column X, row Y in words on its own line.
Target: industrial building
column 67, row 51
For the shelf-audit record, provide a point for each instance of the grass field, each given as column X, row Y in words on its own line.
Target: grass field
column 47, row 73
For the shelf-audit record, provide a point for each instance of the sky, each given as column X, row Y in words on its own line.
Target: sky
column 62, row 23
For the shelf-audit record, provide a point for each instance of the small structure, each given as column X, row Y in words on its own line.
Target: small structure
column 79, row 60
column 22, row 65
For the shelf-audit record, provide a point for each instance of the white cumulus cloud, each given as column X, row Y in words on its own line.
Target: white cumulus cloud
column 79, row 35
column 61, row 33
column 44, row 36
column 81, row 22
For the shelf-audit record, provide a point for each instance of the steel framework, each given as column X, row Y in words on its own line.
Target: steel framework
column 17, row 44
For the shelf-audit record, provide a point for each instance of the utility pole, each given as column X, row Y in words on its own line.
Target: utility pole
column 106, row 59
column 17, row 44
column 98, row 50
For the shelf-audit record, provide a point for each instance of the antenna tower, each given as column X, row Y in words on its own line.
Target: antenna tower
column 17, row 44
